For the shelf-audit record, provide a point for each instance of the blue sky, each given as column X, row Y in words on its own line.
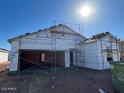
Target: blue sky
column 21, row 16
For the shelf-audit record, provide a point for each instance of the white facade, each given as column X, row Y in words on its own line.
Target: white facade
column 91, row 54
column 95, row 53
column 4, row 55
column 64, row 39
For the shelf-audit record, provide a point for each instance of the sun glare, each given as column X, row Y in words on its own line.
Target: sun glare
column 85, row 11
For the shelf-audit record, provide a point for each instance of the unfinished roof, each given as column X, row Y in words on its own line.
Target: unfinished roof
column 91, row 40
column 101, row 35
column 96, row 37
column 4, row 50
column 53, row 30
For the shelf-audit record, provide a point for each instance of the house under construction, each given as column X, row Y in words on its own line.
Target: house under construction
column 61, row 46
column 55, row 46
column 100, row 49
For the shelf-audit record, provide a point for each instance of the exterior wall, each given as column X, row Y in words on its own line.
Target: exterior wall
column 79, row 55
column 121, row 48
column 44, row 40
column 14, row 61
column 78, row 58
column 104, row 64
column 67, row 59
column 95, row 54
column 102, row 56
column 33, row 42
column 91, row 56
column 4, row 56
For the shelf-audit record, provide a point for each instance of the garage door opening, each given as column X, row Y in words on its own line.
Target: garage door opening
column 40, row 59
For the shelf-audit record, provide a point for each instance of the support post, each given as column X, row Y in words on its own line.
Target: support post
column 67, row 58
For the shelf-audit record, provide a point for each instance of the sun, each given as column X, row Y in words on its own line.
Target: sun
column 85, row 11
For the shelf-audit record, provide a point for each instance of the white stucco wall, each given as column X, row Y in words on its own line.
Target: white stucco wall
column 4, row 56
column 91, row 55
column 67, row 59
column 44, row 41
column 103, row 55
column 95, row 58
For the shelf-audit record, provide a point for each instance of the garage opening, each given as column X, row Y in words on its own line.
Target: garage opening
column 41, row 59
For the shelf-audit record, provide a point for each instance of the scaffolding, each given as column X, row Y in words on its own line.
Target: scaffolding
column 78, row 39
column 121, row 43
column 78, row 49
column 109, row 48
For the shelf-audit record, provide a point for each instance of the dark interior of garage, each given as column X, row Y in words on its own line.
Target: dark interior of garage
column 36, row 59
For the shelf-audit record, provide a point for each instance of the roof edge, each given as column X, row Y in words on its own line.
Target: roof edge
column 26, row 34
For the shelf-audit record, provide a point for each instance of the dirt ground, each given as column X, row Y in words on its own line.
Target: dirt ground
column 64, row 81
column 4, row 65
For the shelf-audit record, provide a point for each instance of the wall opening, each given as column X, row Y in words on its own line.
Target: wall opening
column 71, row 58
column 40, row 59
column 109, row 56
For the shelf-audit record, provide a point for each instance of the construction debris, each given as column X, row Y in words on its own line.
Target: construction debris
column 101, row 91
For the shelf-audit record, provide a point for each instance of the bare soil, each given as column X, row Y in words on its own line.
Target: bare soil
column 4, row 65
column 63, row 81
